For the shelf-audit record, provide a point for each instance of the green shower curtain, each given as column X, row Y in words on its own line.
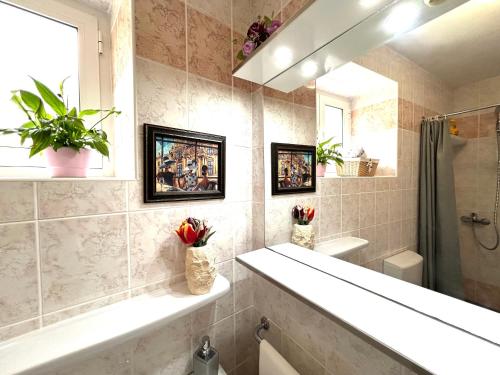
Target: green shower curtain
column 437, row 217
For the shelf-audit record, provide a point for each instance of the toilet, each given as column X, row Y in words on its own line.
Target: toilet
column 406, row 266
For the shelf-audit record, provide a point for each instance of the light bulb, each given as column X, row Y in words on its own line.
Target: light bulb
column 401, row 18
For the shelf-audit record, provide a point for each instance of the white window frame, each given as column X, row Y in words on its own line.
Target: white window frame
column 89, row 72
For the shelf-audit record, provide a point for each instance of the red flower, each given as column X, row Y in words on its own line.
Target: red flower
column 310, row 214
column 194, row 232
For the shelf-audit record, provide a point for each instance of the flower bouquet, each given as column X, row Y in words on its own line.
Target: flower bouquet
column 303, row 232
column 258, row 32
column 200, row 260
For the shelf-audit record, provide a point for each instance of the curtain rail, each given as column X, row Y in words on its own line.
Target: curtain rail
column 462, row 112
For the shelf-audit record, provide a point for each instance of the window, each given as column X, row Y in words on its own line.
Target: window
column 210, row 167
column 49, row 41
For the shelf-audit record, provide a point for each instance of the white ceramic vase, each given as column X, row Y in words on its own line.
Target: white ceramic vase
column 303, row 235
column 200, row 269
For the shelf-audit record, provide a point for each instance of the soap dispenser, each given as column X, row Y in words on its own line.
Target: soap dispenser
column 206, row 359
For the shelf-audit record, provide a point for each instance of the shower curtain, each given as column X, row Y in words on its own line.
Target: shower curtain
column 437, row 217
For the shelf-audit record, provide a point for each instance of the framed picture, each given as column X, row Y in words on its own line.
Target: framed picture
column 182, row 165
column 293, row 168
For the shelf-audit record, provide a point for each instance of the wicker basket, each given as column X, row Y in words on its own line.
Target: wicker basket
column 358, row 167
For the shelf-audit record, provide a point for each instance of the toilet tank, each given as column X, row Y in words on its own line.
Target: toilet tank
column 341, row 247
column 406, row 266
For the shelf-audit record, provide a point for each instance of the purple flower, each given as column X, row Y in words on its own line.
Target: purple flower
column 255, row 29
column 248, row 47
column 275, row 24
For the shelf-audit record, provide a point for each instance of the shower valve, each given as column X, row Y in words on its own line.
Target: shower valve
column 475, row 219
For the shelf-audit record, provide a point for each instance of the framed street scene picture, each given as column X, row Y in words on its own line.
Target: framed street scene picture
column 182, row 165
column 293, row 168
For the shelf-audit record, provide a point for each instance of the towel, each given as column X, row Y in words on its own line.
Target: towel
column 272, row 363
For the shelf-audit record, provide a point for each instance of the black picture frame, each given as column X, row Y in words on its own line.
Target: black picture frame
column 175, row 186
column 308, row 173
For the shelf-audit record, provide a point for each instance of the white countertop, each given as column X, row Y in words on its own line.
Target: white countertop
column 88, row 333
column 477, row 320
column 432, row 345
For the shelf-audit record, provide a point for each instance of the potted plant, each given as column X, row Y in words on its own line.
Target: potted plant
column 303, row 232
column 62, row 133
column 200, row 260
column 325, row 154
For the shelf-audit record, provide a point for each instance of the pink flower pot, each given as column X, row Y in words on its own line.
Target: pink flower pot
column 320, row 170
column 66, row 162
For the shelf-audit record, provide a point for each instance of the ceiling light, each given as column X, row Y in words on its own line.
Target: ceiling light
column 402, row 18
column 309, row 68
column 283, row 57
column 433, row 3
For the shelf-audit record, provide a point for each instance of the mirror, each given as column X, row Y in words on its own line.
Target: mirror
column 373, row 106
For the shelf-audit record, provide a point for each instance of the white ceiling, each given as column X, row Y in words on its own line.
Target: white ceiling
column 460, row 47
column 352, row 80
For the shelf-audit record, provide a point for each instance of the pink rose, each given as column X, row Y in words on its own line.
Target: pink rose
column 248, row 47
column 275, row 24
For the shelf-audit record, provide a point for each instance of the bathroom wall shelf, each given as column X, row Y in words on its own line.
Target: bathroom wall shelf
column 76, row 338
column 430, row 344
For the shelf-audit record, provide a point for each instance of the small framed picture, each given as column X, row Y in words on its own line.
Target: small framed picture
column 293, row 168
column 182, row 165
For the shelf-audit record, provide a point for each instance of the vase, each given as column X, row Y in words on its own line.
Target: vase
column 200, row 269
column 303, row 235
column 320, row 170
column 67, row 162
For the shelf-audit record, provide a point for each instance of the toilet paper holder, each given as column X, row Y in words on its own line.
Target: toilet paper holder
column 264, row 324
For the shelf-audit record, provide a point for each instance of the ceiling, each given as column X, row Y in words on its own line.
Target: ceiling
column 460, row 47
column 352, row 80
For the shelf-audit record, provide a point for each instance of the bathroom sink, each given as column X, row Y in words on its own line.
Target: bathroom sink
column 341, row 247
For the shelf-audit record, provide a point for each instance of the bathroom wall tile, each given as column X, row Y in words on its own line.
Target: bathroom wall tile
column 350, row 212
column 16, row 201
column 299, row 358
column 395, row 206
column 366, row 185
column 488, row 91
column 240, row 130
column 329, row 186
column 242, row 15
column 210, row 107
column 18, row 273
column 57, row 316
column 239, row 186
column 246, row 346
column 381, row 239
column 395, row 231
column 487, row 122
column 278, row 116
column 18, row 329
column 305, row 326
column 268, row 300
column 350, row 185
column 257, row 119
column 258, row 226
column 219, row 10
column 368, row 253
column 209, row 47
column 366, row 210
column 258, row 177
column 468, row 126
column 305, row 97
column 243, row 287
column 304, row 124
column 350, row 355
column 63, row 199
column 114, row 361
column 248, row 367
column 242, row 228
column 161, row 94
column 330, row 216
column 167, row 350
column 161, row 31
column 266, row 7
column 82, row 259
column 382, row 184
column 278, row 221
column 382, row 207
column 293, row 7
column 156, row 253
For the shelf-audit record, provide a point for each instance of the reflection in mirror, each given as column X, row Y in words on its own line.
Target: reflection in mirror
column 374, row 106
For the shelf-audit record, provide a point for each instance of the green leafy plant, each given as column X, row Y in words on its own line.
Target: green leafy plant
column 62, row 128
column 326, row 153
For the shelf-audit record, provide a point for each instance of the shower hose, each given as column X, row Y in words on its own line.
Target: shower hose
column 497, row 197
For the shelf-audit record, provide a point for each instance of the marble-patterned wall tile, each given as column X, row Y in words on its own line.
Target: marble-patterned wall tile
column 268, row 300
column 18, row 273
column 239, row 129
column 299, row 358
column 16, row 201
column 366, row 210
column 156, row 253
column 209, row 47
column 82, row 259
column 161, row 31
column 242, row 227
column 63, row 199
column 239, row 178
column 350, row 212
column 114, row 361
column 246, row 346
column 304, row 125
column 329, row 186
column 18, row 329
column 243, row 287
column 382, row 207
column 167, row 350
column 219, row 9
column 161, row 94
column 348, row 354
column 330, row 216
column 266, row 7
column 242, row 15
